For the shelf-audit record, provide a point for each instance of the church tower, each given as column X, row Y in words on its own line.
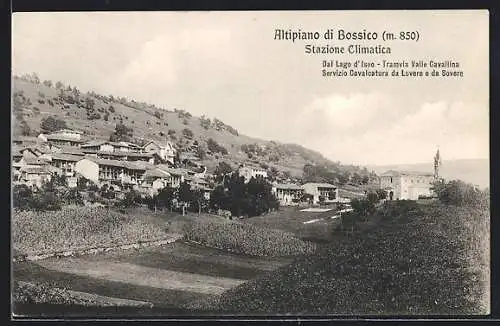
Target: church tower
column 437, row 164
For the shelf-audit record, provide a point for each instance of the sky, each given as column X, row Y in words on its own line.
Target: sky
column 228, row 65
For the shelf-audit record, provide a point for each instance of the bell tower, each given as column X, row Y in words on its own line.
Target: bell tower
column 437, row 164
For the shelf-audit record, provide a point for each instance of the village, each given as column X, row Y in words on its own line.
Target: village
column 122, row 166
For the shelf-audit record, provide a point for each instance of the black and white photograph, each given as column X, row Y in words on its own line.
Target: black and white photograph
column 250, row 163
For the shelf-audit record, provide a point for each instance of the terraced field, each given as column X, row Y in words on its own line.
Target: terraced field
column 168, row 278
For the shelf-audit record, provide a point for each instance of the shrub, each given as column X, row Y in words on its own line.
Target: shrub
column 459, row 193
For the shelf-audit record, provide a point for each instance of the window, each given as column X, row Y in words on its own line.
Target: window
column 391, row 179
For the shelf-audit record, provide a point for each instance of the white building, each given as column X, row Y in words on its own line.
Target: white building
column 249, row 172
column 406, row 184
column 328, row 192
column 165, row 151
column 287, row 194
column 101, row 171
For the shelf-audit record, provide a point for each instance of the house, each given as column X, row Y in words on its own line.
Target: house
column 97, row 145
column 123, row 151
column 25, row 140
column 322, row 191
column 406, row 184
column 69, row 133
column 287, row 194
column 102, row 171
column 125, row 156
column 157, row 179
column 165, row 151
column 34, row 176
column 249, row 172
column 177, row 175
column 65, row 162
column 62, row 140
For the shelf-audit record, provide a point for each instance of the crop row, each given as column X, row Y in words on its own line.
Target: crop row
column 73, row 228
column 245, row 238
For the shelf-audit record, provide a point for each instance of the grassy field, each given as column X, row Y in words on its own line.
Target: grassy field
column 291, row 219
column 419, row 260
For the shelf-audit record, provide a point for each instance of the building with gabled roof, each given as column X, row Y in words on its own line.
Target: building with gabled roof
column 166, row 151
column 406, row 184
column 101, row 171
column 288, row 194
column 319, row 191
column 34, row 176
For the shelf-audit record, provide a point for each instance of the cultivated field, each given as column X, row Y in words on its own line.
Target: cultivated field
column 169, row 277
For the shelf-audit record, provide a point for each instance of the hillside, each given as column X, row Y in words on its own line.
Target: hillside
column 469, row 170
column 97, row 115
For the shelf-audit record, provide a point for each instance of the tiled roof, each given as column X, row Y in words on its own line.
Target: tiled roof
column 64, row 138
column 289, row 186
column 68, row 131
column 25, row 139
column 122, row 153
column 320, row 185
column 395, row 173
column 122, row 164
column 34, row 161
column 72, row 151
column 93, row 143
column 66, row 157
column 174, row 171
column 35, row 169
column 156, row 173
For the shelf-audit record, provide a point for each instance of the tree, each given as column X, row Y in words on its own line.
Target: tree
column 24, row 128
column 205, row 122
column 222, row 169
column 382, row 194
column 51, row 124
column 46, row 201
column 59, row 85
column 89, row 103
column 131, row 199
column 47, row 83
column 73, row 196
column 185, row 196
column 34, row 78
column 187, row 133
column 356, row 179
column 199, row 201
column 22, row 196
column 165, row 197
column 365, row 179
column 200, row 151
column 158, row 114
column 121, row 133
column 214, row 147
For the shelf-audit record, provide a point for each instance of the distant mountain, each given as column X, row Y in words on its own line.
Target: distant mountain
column 97, row 115
column 475, row 171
